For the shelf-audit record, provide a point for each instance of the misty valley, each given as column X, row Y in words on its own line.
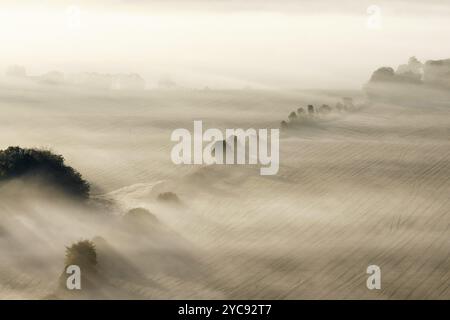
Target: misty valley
column 361, row 181
column 224, row 150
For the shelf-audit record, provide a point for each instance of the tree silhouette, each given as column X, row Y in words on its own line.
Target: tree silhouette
column 82, row 254
column 17, row 162
column 325, row 108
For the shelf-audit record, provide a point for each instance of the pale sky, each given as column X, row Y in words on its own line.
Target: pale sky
column 220, row 43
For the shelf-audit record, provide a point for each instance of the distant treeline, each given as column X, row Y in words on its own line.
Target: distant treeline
column 310, row 112
column 432, row 72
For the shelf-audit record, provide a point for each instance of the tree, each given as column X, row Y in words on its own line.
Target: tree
column 168, row 197
column 292, row 116
column 16, row 162
column 139, row 214
column 383, row 74
column 325, row 108
column 82, row 254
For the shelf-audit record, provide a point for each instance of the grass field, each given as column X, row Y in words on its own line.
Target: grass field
column 356, row 188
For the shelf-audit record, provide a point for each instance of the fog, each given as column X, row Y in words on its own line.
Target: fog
column 354, row 188
column 362, row 180
column 226, row 44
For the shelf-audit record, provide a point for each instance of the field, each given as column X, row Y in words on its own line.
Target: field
column 368, row 186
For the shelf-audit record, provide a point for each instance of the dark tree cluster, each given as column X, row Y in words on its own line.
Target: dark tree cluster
column 16, row 162
column 304, row 114
column 387, row 74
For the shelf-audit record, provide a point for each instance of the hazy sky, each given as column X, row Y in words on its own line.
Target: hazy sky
column 283, row 43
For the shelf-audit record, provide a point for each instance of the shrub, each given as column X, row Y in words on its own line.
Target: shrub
column 17, row 162
column 139, row 213
column 140, row 218
column 168, row 197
